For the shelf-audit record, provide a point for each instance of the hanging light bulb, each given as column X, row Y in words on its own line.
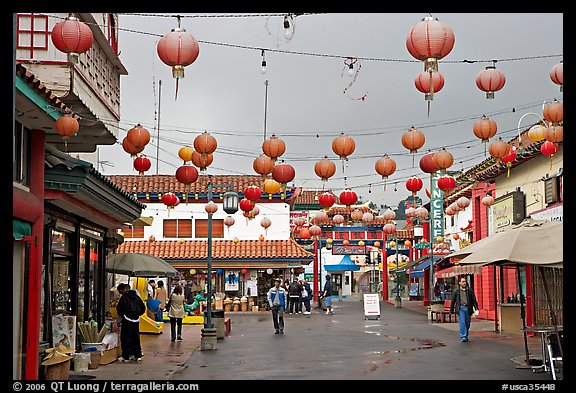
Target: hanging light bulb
column 288, row 27
column 263, row 69
column 351, row 69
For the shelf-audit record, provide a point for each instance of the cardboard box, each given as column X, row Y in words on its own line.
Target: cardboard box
column 109, row 355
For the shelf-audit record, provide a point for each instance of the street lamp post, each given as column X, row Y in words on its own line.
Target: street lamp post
column 230, row 204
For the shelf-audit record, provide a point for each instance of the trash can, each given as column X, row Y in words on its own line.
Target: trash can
column 217, row 317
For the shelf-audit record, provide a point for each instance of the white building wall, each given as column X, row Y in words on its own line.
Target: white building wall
column 243, row 229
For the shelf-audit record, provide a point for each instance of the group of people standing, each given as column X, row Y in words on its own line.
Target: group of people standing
column 299, row 292
column 290, row 296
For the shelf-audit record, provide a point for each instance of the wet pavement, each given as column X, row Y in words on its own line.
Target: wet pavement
column 401, row 345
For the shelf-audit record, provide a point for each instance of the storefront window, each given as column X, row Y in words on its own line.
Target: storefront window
column 60, row 241
column 92, row 284
column 61, row 300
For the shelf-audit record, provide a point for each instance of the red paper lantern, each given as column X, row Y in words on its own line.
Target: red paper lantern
column 142, row 164
column 343, row 146
column 430, row 40
column 186, row 174
column 265, row 223
column 67, row 126
column 273, row 147
column 557, row 75
column 348, row 197
column 326, row 199
column 488, row 200
column 414, row 184
column 72, row 36
column 463, row 202
column 229, row 221
column 170, row 200
column 498, row 148
column 338, row 219
column 202, row 161
column 205, row 143
column 389, row 228
column 283, row 173
column 443, row 159
column 304, row 233
column 389, row 214
column 253, row 193
column 211, row 207
column 485, row 128
column 346, row 242
column 315, row 230
column 356, row 215
column 246, row 205
column 244, row 271
column 549, row 149
column 138, row 136
column 325, row 169
column 263, row 165
column 429, row 82
column 508, row 158
column 413, row 139
column 446, row 182
column 490, row 80
column 385, row 166
column 130, row 149
column 178, row 49
column 554, row 112
column 554, row 134
column 427, row 163
column 321, row 217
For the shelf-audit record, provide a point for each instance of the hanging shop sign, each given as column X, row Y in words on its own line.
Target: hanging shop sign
column 508, row 209
column 348, row 250
column 436, row 206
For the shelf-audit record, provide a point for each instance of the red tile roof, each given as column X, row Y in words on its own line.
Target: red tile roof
column 168, row 183
column 35, row 83
column 310, row 197
column 248, row 253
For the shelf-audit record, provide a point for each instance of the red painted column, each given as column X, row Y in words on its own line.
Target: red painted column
column 384, row 270
column 32, row 344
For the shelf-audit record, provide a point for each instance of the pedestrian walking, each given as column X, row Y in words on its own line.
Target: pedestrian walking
column 129, row 308
column 176, row 313
column 463, row 302
column 277, row 300
column 161, row 294
column 294, row 294
column 327, row 294
column 306, row 295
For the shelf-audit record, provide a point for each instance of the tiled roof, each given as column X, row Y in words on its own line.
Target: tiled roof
column 310, row 197
column 167, row 183
column 222, row 250
column 35, row 83
column 345, row 211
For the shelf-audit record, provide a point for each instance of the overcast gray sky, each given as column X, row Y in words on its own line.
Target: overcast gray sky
column 223, row 92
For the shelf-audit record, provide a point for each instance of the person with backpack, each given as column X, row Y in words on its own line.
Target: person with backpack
column 294, row 294
column 129, row 308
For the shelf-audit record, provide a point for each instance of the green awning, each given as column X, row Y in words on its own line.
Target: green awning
column 20, row 229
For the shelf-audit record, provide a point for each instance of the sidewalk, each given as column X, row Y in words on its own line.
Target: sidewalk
column 163, row 358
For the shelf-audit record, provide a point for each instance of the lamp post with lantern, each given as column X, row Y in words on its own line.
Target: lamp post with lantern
column 230, row 201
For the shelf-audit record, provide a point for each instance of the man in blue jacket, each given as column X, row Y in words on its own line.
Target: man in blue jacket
column 277, row 301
